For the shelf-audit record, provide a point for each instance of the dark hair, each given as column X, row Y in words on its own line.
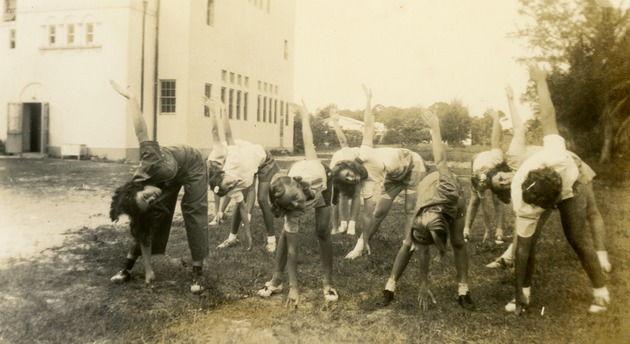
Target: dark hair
column 356, row 166
column 503, row 194
column 279, row 187
column 213, row 168
column 542, row 187
column 124, row 202
column 216, row 183
column 430, row 227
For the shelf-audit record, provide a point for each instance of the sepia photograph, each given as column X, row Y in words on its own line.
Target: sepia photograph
column 330, row 171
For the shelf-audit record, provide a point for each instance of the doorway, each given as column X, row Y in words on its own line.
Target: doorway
column 27, row 128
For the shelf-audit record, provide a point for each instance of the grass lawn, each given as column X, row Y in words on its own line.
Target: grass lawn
column 65, row 296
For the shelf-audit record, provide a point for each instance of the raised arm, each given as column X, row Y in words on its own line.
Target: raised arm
column 215, row 108
column 334, row 118
column 134, row 108
column 436, row 135
column 518, row 139
column 495, row 137
column 229, row 138
column 368, row 119
column 547, row 111
column 307, row 133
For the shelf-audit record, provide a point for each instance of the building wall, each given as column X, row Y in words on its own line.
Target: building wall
column 73, row 78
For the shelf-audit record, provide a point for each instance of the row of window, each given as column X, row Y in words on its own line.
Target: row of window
column 234, row 78
column 236, row 101
column 262, row 4
column 9, row 10
column 70, row 34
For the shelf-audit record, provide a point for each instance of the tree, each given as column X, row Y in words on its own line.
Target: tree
column 588, row 48
column 454, row 121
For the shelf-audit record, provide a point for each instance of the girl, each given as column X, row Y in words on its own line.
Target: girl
column 244, row 162
column 480, row 166
column 306, row 186
column 392, row 169
column 345, row 195
column 150, row 197
column 439, row 216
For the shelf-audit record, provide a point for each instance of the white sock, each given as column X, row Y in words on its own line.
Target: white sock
column 391, row 285
column 359, row 245
column 351, row 224
column 271, row 239
column 462, row 288
column 232, row 236
column 601, row 292
column 343, row 224
column 603, row 256
column 527, row 292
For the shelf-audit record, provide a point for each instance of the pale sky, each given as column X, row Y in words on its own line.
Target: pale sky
column 409, row 52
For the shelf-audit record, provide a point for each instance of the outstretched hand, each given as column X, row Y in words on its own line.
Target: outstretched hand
column 430, row 118
column 494, row 114
column 509, row 92
column 368, row 91
column 425, row 299
column 121, row 90
column 535, row 71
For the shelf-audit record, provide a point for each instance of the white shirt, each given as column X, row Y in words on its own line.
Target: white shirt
column 242, row 162
column 555, row 156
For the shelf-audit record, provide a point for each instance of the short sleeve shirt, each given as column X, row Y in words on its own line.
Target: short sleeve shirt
column 242, row 162
column 555, row 156
column 487, row 159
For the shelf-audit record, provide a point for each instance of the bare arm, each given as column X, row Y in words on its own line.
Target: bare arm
column 495, row 138
column 368, row 119
column 226, row 126
column 518, row 139
column 438, row 150
column 134, row 108
column 334, row 118
column 547, row 111
column 307, row 134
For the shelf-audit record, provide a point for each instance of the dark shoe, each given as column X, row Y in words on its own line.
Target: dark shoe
column 121, row 276
column 388, row 297
column 466, row 302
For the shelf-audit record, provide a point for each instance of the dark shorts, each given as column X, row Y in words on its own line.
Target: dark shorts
column 267, row 169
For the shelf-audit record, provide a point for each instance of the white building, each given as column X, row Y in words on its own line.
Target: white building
column 351, row 124
column 56, row 57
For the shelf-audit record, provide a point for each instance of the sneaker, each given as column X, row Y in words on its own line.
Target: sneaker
column 466, row 237
column 335, row 231
column 350, row 231
column 269, row 290
column 606, row 266
column 330, row 294
column 599, row 305
column 121, row 276
column 354, row 254
column 501, row 263
column 196, row 286
column 228, row 243
column 388, row 297
column 342, row 229
column 499, row 240
column 510, row 307
column 466, row 301
column 271, row 247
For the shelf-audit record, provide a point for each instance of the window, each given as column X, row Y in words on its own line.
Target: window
column 231, row 78
column 258, row 109
column 268, row 6
column 224, row 75
column 70, row 34
column 239, row 79
column 12, row 39
column 89, row 33
column 286, row 112
column 264, row 109
column 231, row 104
column 223, row 95
column 9, row 10
column 207, row 91
column 246, row 81
column 238, row 104
column 286, row 49
column 245, row 97
column 167, row 96
column 275, row 110
column 210, row 13
column 52, row 35
column 259, row 85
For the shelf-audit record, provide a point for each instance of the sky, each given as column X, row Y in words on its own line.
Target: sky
column 410, row 53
